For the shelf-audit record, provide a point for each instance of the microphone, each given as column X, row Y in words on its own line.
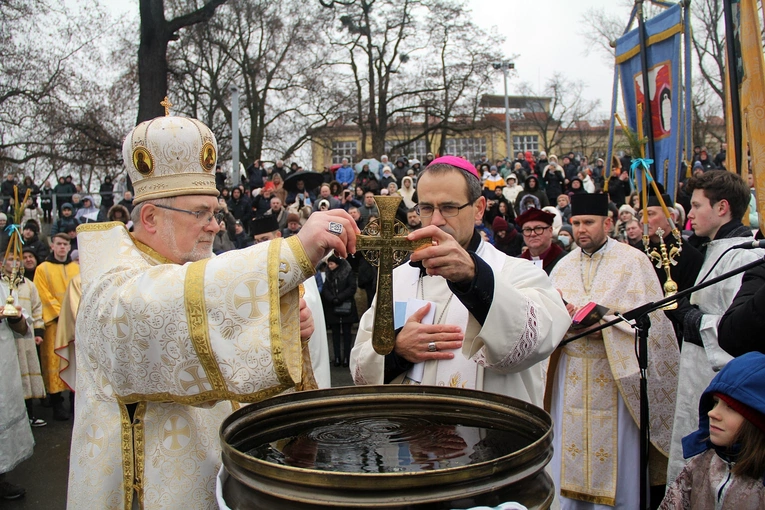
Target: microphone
column 750, row 245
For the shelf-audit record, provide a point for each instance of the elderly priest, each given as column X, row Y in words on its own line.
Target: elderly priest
column 170, row 338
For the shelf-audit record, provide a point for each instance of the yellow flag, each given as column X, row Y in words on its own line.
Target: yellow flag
column 752, row 95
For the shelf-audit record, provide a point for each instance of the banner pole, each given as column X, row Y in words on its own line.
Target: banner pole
column 733, row 81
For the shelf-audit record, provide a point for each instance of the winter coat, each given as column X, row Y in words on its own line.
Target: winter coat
column 46, row 198
column 531, row 187
column 40, row 247
column 339, row 287
column 364, row 178
column 6, row 189
column 554, row 181
column 64, row 224
column 34, row 189
column 107, row 195
column 707, row 482
column 239, row 207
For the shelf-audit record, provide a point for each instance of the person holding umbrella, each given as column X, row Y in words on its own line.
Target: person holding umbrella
column 300, row 187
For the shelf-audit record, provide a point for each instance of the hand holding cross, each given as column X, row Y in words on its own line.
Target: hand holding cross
column 386, row 245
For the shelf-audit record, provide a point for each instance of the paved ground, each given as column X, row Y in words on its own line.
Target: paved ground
column 45, row 474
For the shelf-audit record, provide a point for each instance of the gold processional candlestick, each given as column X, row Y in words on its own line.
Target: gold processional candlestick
column 662, row 259
column 384, row 244
column 13, row 279
column 14, row 251
column 666, row 260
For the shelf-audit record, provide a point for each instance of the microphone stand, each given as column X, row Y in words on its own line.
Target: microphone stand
column 638, row 319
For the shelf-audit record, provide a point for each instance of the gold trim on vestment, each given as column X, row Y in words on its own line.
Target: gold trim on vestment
column 589, row 447
column 99, row 227
column 204, row 397
column 235, row 405
column 656, row 38
column 126, row 430
column 598, row 500
column 151, row 252
column 165, row 186
column 196, row 318
column 275, row 314
column 300, row 256
column 139, row 450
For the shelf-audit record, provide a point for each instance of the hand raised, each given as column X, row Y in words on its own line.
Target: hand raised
column 445, row 258
column 318, row 241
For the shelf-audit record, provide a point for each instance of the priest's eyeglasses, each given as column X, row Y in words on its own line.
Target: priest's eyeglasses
column 204, row 217
column 536, row 230
column 447, row 211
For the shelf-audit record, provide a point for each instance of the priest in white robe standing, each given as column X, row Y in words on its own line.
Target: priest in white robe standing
column 490, row 319
column 170, row 339
column 595, row 392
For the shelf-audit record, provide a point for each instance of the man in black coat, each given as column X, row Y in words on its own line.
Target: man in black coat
column 689, row 261
column 6, row 190
column 31, row 236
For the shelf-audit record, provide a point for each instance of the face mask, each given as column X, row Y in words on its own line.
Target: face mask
column 565, row 241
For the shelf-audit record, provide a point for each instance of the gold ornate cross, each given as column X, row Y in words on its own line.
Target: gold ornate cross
column 166, row 104
column 386, row 247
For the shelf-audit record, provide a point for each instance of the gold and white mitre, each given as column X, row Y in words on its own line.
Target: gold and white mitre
column 171, row 156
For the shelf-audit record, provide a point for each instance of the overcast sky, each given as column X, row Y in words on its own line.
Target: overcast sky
column 548, row 36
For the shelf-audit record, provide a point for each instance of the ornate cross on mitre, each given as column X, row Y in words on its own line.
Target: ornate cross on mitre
column 166, row 104
column 385, row 246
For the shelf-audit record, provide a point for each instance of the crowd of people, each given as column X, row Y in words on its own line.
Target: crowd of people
column 579, row 231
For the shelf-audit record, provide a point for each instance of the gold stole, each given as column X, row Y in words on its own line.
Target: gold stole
column 589, row 437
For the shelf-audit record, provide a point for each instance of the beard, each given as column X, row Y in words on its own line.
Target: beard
column 202, row 249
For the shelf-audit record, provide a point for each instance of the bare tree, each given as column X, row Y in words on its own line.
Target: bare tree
column 567, row 107
column 56, row 111
column 707, row 121
column 156, row 33
column 273, row 53
column 709, row 44
column 462, row 68
column 419, row 59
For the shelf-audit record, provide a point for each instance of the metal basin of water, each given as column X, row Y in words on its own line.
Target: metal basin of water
column 387, row 447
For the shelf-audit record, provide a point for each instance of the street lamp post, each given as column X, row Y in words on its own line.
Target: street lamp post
column 506, row 66
column 235, row 135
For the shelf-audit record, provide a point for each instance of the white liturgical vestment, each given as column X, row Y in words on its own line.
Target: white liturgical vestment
column 525, row 323
column 185, row 344
column 595, row 398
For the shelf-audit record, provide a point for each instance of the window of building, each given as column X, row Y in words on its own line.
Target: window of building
column 414, row 150
column 470, row 148
column 342, row 150
column 526, row 143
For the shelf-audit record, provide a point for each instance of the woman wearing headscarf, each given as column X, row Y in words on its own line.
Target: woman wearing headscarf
column 279, row 190
column 408, row 192
column 512, row 190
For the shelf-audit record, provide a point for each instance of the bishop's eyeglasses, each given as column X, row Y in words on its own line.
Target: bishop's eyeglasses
column 204, row 217
column 447, row 211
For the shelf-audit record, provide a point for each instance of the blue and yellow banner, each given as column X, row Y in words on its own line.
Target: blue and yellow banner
column 664, row 60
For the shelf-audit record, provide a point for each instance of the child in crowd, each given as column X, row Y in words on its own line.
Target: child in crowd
column 728, row 450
